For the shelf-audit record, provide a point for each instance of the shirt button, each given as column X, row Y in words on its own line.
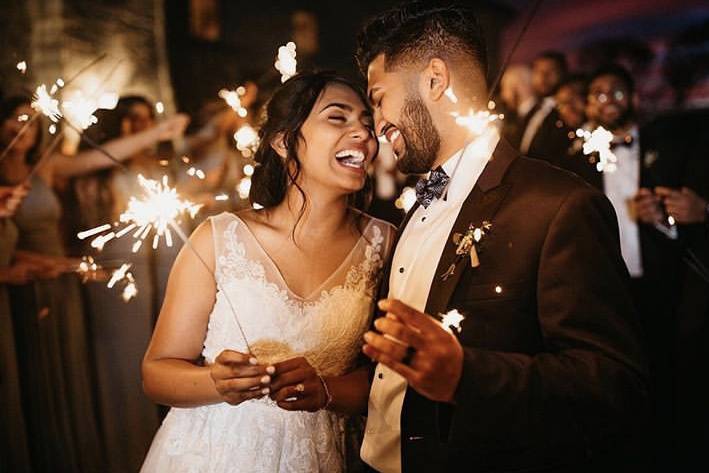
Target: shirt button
column 380, row 375
column 423, row 219
column 401, row 270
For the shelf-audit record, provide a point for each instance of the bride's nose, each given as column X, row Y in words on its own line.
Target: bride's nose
column 359, row 132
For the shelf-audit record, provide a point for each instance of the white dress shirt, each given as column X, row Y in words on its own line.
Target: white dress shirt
column 415, row 261
column 536, row 120
column 620, row 187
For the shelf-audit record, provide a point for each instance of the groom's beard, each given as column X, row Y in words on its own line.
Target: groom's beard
column 421, row 138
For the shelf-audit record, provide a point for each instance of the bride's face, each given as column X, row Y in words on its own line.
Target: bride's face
column 338, row 142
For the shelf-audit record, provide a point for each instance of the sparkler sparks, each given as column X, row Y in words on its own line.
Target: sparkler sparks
column 157, row 210
column 451, row 320
column 477, row 122
column 233, row 99
column 46, row 104
column 79, row 110
column 599, row 141
column 195, row 172
column 247, row 140
column 286, row 63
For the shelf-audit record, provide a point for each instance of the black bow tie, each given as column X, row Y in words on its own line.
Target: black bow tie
column 431, row 188
column 627, row 141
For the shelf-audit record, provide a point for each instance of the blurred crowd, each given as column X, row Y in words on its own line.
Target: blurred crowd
column 70, row 384
column 659, row 188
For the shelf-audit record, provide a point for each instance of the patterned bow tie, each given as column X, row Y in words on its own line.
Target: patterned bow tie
column 431, row 188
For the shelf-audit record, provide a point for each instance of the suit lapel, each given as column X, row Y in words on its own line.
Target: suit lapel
column 481, row 205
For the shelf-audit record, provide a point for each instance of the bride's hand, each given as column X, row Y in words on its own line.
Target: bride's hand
column 297, row 386
column 238, row 377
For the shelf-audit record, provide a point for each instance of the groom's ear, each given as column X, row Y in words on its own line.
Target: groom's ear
column 278, row 145
column 436, row 79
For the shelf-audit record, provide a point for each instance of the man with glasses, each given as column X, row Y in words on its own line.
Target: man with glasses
column 656, row 211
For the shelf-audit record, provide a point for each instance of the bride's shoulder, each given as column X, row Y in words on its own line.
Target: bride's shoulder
column 378, row 225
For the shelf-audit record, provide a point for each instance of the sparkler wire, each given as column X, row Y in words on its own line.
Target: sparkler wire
column 36, row 114
column 187, row 242
column 532, row 14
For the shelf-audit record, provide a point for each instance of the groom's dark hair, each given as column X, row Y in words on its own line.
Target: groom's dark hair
column 420, row 30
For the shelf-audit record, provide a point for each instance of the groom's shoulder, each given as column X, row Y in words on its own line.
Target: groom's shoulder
column 538, row 177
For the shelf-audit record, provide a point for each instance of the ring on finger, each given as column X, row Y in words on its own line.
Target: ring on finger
column 408, row 357
column 300, row 388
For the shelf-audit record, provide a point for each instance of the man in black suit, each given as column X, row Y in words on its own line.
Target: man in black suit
column 548, row 70
column 547, row 371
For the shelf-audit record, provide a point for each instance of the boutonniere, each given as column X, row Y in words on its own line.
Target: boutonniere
column 467, row 245
column 649, row 158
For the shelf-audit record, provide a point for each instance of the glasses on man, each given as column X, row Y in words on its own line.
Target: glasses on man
column 602, row 97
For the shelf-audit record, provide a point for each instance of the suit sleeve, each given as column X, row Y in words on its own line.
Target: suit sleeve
column 590, row 379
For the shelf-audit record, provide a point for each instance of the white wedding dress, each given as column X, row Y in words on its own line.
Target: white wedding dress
column 326, row 328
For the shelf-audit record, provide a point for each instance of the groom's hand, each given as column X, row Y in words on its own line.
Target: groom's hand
column 435, row 357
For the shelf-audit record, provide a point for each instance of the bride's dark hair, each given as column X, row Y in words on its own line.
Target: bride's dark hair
column 286, row 112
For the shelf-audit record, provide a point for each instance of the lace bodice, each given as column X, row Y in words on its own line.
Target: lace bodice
column 326, row 328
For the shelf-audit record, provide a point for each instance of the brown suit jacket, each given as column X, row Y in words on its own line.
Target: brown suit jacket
column 553, row 371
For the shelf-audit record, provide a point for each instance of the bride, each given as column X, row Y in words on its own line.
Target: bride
column 260, row 367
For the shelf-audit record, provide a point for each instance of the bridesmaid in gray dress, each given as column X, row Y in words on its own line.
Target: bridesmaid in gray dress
column 14, row 454
column 121, row 331
column 56, row 363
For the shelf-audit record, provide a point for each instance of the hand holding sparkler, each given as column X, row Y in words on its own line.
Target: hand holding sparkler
column 684, row 205
column 238, row 377
column 419, row 348
column 10, row 199
column 646, row 207
column 172, row 127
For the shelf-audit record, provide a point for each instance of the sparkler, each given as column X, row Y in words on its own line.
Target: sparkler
column 451, row 320
column 286, row 63
column 233, row 99
column 195, row 172
column 22, row 66
column 44, row 103
column 247, row 140
column 46, row 100
column 599, row 141
column 155, row 210
column 477, row 122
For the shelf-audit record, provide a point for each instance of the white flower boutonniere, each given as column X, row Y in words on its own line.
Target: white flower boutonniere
column 467, row 245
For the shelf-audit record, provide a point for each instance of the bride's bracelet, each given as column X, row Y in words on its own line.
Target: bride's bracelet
column 328, row 401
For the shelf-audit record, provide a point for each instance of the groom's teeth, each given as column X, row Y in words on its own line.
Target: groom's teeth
column 394, row 136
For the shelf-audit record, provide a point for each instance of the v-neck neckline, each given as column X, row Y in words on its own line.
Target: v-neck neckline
column 278, row 271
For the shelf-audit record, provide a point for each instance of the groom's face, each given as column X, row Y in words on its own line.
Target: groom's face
column 401, row 116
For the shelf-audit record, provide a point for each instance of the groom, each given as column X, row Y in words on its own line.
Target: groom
column 546, row 371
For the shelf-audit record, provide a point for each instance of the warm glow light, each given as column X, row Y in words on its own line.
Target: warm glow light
column 599, row 141
column 233, row 99
column 44, row 103
column 286, row 63
column 247, row 140
column 452, row 320
column 157, row 208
